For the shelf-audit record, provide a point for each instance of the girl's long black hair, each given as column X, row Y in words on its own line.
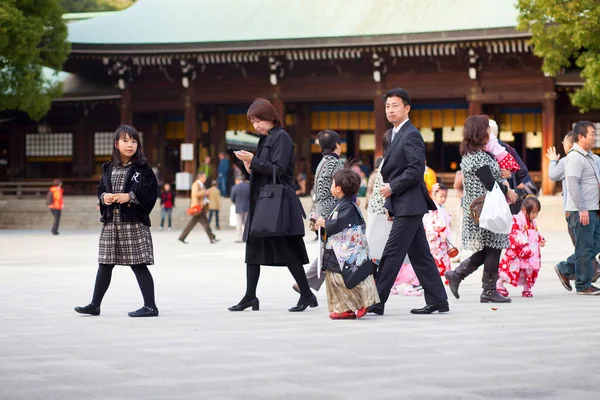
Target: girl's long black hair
column 122, row 131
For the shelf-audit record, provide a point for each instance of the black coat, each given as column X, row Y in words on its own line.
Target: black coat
column 141, row 181
column 275, row 149
column 347, row 216
column 403, row 168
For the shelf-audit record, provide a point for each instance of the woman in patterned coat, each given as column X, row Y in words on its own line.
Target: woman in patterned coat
column 127, row 194
column 480, row 173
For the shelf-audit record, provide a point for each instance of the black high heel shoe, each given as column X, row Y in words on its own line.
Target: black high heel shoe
column 303, row 305
column 254, row 303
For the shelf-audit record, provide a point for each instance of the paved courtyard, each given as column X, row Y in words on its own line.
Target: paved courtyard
column 543, row 348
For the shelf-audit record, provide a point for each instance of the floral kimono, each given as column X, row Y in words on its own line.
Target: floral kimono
column 437, row 228
column 346, row 242
column 522, row 261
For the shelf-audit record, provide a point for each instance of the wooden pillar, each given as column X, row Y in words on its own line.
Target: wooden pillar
column 475, row 106
column 83, row 149
column 279, row 107
column 126, row 114
column 189, row 117
column 548, row 124
column 16, row 153
column 381, row 122
column 218, row 127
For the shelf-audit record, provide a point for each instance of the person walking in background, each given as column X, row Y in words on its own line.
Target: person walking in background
column 223, row 174
column 55, row 203
column 214, row 203
column 583, row 185
column 556, row 172
column 127, row 194
column 331, row 149
column 238, row 174
column 275, row 154
column 522, row 261
column 480, row 173
column 197, row 210
column 240, row 196
column 206, row 168
column 167, row 202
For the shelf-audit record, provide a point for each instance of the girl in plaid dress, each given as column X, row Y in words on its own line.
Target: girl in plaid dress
column 127, row 194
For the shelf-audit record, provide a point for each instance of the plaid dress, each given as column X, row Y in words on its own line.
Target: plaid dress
column 124, row 243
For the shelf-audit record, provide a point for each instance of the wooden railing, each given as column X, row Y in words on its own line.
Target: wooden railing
column 21, row 189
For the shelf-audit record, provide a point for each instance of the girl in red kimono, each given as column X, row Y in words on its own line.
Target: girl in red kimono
column 437, row 228
column 522, row 261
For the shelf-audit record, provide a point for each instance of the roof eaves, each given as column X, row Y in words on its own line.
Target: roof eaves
column 289, row 44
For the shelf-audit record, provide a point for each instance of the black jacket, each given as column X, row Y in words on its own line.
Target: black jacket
column 403, row 168
column 140, row 181
column 275, row 149
column 347, row 216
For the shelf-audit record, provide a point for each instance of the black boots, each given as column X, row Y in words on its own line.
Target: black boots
column 90, row 309
column 460, row 273
column 490, row 294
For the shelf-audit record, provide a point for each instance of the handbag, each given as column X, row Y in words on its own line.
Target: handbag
column 232, row 216
column 475, row 209
column 195, row 210
column 270, row 216
column 452, row 251
column 495, row 215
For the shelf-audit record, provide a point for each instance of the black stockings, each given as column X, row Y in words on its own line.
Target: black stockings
column 253, row 273
column 142, row 274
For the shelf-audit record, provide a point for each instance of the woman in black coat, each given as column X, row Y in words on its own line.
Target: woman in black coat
column 275, row 149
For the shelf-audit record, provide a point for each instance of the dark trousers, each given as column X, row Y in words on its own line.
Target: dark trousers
column 197, row 219
column 408, row 237
column 56, row 214
column 210, row 216
column 586, row 247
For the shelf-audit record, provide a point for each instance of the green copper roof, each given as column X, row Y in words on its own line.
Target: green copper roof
column 212, row 21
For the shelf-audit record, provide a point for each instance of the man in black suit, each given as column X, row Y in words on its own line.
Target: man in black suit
column 407, row 201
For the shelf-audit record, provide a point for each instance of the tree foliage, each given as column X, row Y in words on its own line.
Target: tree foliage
column 567, row 32
column 79, row 6
column 32, row 35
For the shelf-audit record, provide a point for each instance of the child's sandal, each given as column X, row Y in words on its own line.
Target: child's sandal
column 502, row 292
column 527, row 293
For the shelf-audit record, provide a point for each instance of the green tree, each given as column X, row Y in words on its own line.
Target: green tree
column 567, row 32
column 79, row 6
column 32, row 35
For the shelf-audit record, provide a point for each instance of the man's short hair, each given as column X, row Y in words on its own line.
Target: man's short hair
column 200, row 175
column 398, row 92
column 348, row 180
column 569, row 137
column 581, row 128
column 328, row 140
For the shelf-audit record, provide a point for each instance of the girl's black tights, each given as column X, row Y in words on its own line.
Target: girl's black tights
column 142, row 274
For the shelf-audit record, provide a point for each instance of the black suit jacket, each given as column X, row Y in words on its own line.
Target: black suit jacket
column 403, row 168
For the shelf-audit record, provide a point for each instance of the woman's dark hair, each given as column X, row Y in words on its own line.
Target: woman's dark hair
column 121, row 132
column 263, row 110
column 378, row 161
column 387, row 139
column 328, row 140
column 348, row 180
column 475, row 134
column 530, row 204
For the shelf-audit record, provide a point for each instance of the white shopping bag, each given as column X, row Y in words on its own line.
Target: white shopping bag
column 495, row 214
column 320, row 256
column 232, row 216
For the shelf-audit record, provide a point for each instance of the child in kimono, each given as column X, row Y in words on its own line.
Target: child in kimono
column 346, row 303
column 522, row 261
column 437, row 228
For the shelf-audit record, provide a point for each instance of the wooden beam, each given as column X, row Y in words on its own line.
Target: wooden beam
column 126, row 113
column 381, row 122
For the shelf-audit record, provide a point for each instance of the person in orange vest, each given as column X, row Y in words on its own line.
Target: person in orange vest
column 430, row 178
column 55, row 203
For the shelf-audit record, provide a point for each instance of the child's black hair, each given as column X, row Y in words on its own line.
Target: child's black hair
column 348, row 180
column 531, row 204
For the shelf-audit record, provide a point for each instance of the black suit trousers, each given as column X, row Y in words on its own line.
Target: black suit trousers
column 408, row 237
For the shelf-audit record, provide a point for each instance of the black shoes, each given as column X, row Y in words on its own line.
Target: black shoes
column 431, row 308
column 214, row 240
column 254, row 303
column 378, row 309
column 144, row 312
column 303, row 304
column 90, row 309
column 182, row 241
